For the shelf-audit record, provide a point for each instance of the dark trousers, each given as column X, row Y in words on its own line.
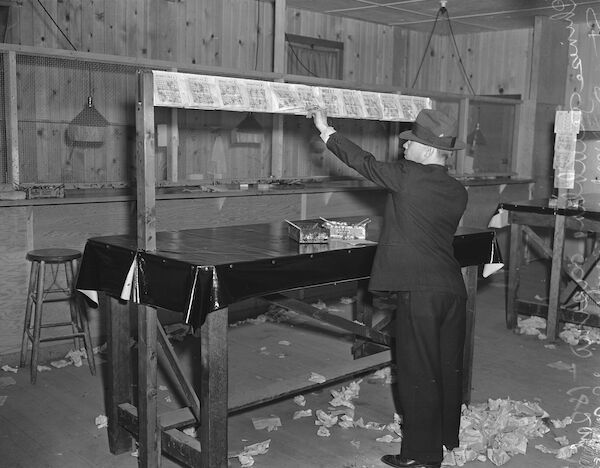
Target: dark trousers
column 430, row 337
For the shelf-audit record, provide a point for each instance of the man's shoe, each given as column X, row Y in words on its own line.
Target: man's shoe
column 399, row 462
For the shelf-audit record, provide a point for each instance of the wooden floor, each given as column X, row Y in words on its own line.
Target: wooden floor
column 51, row 424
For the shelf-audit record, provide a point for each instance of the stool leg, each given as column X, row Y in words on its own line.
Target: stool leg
column 28, row 309
column 81, row 317
column 37, row 327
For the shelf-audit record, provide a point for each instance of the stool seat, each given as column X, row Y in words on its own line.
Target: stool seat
column 53, row 255
column 41, row 291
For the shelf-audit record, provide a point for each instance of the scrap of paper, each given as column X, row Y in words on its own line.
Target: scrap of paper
column 300, row 400
column 60, row 363
column 41, row 368
column 101, row 421
column 270, row 424
column 7, row 368
column 302, row 414
column 317, row 378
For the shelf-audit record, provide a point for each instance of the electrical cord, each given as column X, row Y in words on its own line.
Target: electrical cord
column 300, row 61
column 444, row 11
column 57, row 26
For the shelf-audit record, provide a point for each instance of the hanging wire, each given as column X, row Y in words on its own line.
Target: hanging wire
column 444, row 11
column 57, row 26
column 462, row 67
column 426, row 47
column 300, row 61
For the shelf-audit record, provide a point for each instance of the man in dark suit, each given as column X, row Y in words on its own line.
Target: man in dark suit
column 415, row 259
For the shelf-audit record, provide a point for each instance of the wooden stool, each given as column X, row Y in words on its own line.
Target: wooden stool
column 40, row 292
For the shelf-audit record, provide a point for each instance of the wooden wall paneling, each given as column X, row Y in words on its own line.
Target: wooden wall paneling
column 400, row 54
column 266, row 44
column 116, row 27
column 69, row 16
column 97, row 37
column 190, row 31
column 41, row 36
column 71, row 225
column 164, row 29
column 212, row 43
column 226, row 211
column 13, row 276
column 351, row 203
column 132, row 24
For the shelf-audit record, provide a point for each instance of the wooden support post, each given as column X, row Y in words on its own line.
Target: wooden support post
column 279, row 37
column 213, row 389
column 145, row 158
column 470, row 278
column 514, row 271
column 558, row 245
column 119, row 369
column 12, row 118
column 278, row 67
column 149, row 452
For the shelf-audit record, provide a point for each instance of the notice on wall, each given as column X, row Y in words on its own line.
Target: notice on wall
column 194, row 91
column 566, row 127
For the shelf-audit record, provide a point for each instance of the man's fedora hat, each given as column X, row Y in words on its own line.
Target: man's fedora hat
column 434, row 128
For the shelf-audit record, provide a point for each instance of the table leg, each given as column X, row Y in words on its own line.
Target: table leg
column 514, row 267
column 213, row 389
column 149, row 451
column 470, row 277
column 119, row 369
column 558, row 246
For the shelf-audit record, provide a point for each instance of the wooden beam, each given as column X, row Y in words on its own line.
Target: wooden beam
column 119, row 369
column 326, row 317
column 149, row 452
column 184, row 384
column 145, row 157
column 12, row 117
column 213, row 389
column 279, row 37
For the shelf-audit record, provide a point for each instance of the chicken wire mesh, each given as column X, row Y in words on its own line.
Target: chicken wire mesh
column 76, row 121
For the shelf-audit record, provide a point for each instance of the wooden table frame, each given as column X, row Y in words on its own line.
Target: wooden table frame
column 163, row 433
column 558, row 306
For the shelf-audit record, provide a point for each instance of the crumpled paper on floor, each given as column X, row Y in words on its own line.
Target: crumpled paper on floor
column 60, row 363
column 77, row 356
column 382, row 374
column 101, row 421
column 302, row 414
column 496, row 430
column 7, row 368
column 532, row 326
column 246, row 456
column 270, row 424
column 345, row 396
column 575, row 334
column 317, row 378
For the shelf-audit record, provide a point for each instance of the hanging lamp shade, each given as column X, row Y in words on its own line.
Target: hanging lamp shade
column 476, row 137
column 248, row 132
column 88, row 126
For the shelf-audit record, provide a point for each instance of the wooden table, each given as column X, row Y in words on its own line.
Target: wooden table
column 584, row 218
column 199, row 273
